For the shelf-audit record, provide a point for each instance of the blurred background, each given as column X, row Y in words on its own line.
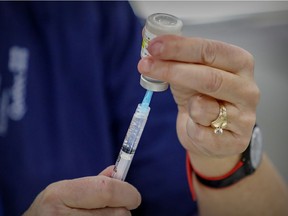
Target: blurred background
column 261, row 27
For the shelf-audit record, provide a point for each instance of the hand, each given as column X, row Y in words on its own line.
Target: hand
column 99, row 195
column 204, row 74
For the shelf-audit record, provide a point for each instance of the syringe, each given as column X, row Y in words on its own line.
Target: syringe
column 132, row 138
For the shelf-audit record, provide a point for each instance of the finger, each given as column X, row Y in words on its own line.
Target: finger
column 204, row 79
column 100, row 212
column 203, row 51
column 209, row 143
column 203, row 109
column 95, row 192
column 108, row 171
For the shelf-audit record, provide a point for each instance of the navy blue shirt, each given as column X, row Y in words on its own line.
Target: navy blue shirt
column 68, row 89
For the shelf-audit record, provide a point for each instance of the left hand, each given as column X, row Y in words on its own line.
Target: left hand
column 92, row 195
column 204, row 74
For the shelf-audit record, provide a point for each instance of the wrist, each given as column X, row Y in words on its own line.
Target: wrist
column 212, row 166
column 209, row 167
column 223, row 172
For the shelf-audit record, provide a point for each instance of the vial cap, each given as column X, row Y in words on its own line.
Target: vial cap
column 153, row 84
column 161, row 23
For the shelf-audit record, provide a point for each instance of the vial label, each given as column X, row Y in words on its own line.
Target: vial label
column 148, row 36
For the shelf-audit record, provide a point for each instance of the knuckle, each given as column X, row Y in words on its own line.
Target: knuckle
column 256, row 95
column 49, row 201
column 247, row 121
column 168, row 71
column 248, row 61
column 214, row 81
column 176, row 49
column 245, row 61
column 208, row 52
column 50, row 194
column 172, row 48
column 252, row 93
column 197, row 108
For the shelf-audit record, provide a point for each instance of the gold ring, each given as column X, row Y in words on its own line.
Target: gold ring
column 221, row 122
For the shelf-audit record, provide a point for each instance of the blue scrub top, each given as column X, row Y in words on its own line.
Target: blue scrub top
column 68, row 89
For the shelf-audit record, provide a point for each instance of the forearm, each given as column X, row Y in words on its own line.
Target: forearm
column 262, row 193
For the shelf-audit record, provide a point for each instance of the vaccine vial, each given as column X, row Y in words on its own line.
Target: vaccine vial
column 158, row 24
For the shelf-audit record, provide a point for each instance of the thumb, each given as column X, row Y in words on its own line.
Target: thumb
column 108, row 171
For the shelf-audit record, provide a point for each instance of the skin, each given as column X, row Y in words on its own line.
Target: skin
column 97, row 195
column 202, row 75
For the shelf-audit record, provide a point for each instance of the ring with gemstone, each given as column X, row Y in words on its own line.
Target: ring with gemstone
column 221, row 122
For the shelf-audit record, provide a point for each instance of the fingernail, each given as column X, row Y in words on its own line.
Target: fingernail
column 155, row 48
column 145, row 65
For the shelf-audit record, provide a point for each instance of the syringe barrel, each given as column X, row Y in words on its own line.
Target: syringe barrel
column 131, row 142
column 122, row 165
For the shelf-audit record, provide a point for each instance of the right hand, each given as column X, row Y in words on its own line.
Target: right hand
column 98, row 195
